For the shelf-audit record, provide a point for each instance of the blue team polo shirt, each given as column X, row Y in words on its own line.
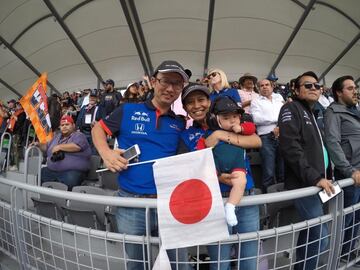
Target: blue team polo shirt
column 190, row 138
column 230, row 92
column 157, row 136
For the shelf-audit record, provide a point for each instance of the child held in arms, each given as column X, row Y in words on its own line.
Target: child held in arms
column 225, row 114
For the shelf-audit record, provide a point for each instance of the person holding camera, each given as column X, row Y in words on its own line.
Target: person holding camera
column 68, row 155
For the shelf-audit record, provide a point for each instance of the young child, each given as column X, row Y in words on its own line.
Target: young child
column 225, row 114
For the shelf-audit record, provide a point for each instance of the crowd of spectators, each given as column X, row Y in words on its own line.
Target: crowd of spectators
column 288, row 119
column 90, row 105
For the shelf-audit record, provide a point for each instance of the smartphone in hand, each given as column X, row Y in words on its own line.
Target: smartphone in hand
column 323, row 195
column 132, row 152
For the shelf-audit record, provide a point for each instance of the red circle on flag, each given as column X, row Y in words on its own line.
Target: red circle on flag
column 191, row 201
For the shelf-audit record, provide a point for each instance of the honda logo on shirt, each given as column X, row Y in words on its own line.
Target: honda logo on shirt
column 139, row 127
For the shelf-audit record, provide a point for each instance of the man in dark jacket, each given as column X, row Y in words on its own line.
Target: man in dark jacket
column 87, row 117
column 342, row 137
column 110, row 100
column 306, row 163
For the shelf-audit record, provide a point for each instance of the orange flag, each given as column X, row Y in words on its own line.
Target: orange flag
column 35, row 105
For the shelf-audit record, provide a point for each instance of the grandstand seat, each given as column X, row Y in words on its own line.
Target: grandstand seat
column 280, row 213
column 92, row 178
column 262, row 209
column 2, row 161
column 255, row 164
column 49, row 206
column 110, row 212
column 110, row 219
column 48, row 209
column 55, row 185
column 84, row 218
column 85, row 214
column 108, row 180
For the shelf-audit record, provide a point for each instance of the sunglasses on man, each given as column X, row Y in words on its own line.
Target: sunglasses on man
column 309, row 86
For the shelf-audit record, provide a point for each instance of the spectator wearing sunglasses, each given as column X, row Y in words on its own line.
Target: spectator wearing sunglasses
column 306, row 164
column 219, row 85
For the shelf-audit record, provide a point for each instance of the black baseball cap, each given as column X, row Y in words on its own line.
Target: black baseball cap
column 225, row 104
column 171, row 66
column 12, row 101
column 109, row 81
column 192, row 87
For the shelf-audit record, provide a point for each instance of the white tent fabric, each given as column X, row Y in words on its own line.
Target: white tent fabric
column 123, row 39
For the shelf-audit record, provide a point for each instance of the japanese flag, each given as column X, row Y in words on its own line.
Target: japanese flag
column 189, row 203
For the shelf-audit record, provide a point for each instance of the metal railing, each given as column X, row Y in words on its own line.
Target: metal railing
column 37, row 242
column 9, row 141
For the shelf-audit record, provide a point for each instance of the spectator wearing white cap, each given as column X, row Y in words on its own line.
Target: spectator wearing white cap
column 131, row 94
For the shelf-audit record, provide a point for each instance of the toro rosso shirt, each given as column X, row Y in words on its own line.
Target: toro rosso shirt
column 157, row 136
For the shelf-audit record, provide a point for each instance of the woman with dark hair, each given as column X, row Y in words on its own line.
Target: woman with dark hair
column 196, row 102
column 131, row 94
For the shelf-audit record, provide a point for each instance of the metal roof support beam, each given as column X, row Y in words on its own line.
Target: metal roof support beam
column 26, row 62
column 72, row 38
column 208, row 35
column 29, row 27
column 292, row 36
column 137, row 34
column 142, row 37
column 10, row 88
column 299, row 3
column 338, row 11
column 81, row 4
column 67, row 14
column 341, row 55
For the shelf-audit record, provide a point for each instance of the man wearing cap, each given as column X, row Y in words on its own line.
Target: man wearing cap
column 156, row 129
column 110, row 100
column 87, row 117
column 265, row 112
column 68, row 155
column 247, row 92
column 306, row 164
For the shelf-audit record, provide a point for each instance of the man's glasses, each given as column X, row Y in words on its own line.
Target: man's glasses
column 317, row 86
column 211, row 75
column 177, row 85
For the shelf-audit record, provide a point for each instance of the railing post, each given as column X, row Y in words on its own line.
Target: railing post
column 28, row 136
column 148, row 236
column 8, row 149
column 26, row 164
column 336, row 207
column 17, row 202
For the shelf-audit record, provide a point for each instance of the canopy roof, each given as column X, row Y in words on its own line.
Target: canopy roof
column 80, row 43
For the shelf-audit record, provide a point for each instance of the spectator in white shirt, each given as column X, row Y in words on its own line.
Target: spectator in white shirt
column 265, row 111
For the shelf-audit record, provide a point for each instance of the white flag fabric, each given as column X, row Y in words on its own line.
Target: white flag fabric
column 162, row 261
column 189, row 202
